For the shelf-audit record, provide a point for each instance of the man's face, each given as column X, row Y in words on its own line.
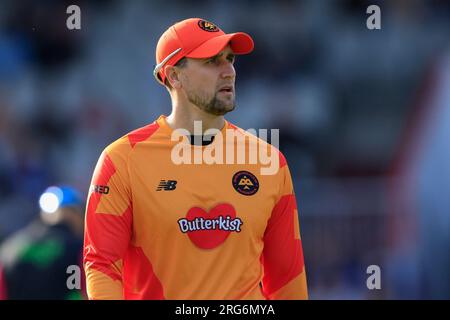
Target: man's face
column 209, row 83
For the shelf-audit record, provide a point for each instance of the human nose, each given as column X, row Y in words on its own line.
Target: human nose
column 228, row 71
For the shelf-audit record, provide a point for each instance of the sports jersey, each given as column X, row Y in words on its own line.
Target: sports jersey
column 157, row 229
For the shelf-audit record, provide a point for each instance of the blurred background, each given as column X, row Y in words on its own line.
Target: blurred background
column 364, row 119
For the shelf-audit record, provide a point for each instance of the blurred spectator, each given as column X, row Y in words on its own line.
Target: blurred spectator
column 35, row 259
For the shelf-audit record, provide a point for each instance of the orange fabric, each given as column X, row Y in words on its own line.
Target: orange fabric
column 158, row 230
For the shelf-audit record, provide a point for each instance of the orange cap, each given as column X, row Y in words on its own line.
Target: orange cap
column 196, row 38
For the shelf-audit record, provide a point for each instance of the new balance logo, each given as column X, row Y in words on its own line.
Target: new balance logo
column 167, row 185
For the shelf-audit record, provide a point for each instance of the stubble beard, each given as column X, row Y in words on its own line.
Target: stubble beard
column 214, row 106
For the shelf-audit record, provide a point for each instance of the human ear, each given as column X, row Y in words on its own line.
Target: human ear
column 172, row 75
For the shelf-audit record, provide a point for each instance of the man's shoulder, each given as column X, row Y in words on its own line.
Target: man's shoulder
column 251, row 135
column 258, row 139
column 128, row 142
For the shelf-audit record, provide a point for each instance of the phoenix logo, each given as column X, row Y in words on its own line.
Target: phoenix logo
column 208, row 26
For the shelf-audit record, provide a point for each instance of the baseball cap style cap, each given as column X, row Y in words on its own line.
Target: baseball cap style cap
column 196, row 38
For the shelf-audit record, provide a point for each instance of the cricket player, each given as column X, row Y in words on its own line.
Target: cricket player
column 160, row 227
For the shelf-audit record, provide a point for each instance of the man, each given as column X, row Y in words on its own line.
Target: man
column 36, row 259
column 160, row 228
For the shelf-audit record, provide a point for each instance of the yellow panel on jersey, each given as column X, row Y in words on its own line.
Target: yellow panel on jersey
column 160, row 230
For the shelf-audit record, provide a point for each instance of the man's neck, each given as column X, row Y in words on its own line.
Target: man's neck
column 184, row 117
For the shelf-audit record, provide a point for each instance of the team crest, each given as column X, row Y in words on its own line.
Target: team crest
column 208, row 26
column 245, row 183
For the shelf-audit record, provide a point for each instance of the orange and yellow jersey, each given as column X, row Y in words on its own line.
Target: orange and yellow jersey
column 157, row 229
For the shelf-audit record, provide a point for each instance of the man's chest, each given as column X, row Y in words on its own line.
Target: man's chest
column 199, row 197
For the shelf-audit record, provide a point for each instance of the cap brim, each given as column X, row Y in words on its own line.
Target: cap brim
column 240, row 43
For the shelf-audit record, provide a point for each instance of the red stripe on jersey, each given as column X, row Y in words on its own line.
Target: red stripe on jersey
column 105, row 173
column 142, row 134
column 283, row 161
column 282, row 254
column 232, row 126
column 141, row 282
column 106, row 241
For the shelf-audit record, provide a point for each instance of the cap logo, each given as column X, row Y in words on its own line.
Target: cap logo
column 207, row 26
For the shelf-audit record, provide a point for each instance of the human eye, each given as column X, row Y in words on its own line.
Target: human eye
column 231, row 58
column 211, row 60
